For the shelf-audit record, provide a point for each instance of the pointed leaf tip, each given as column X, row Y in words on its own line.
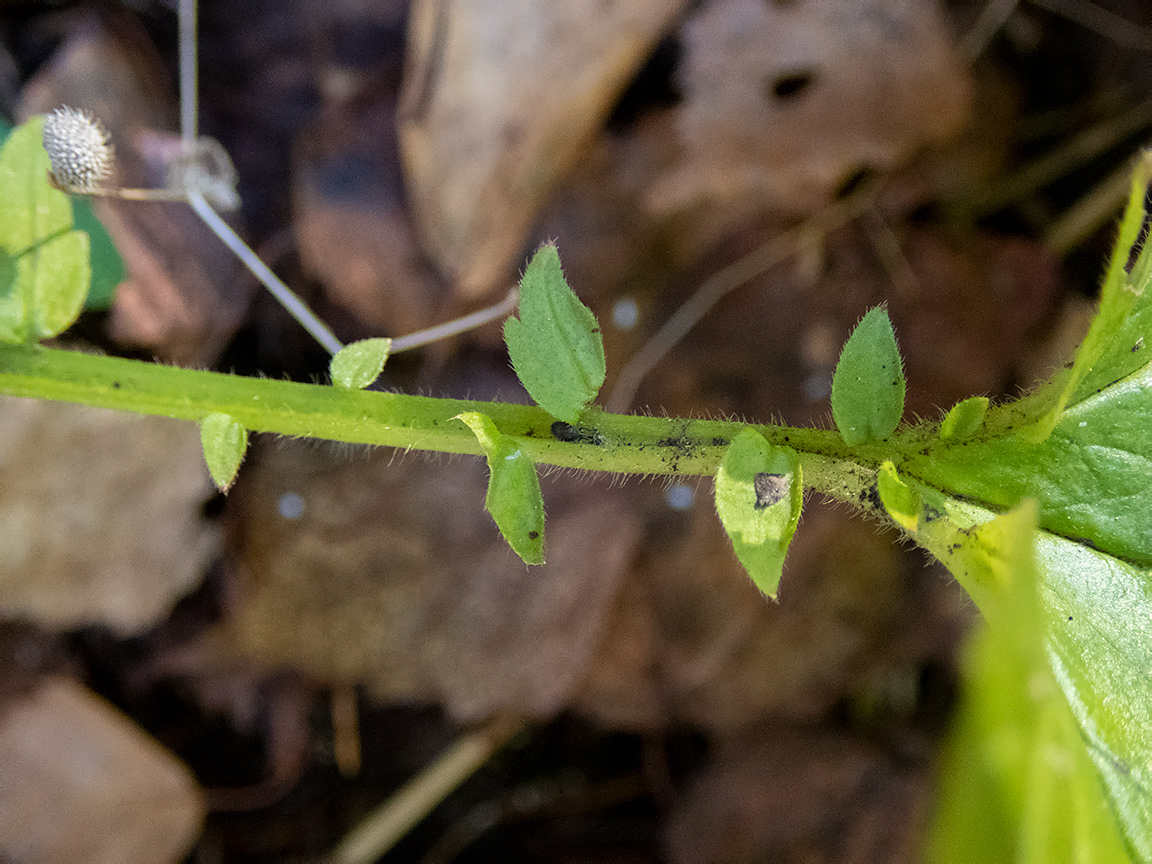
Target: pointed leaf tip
column 901, row 501
column 513, row 498
column 759, row 495
column 224, row 442
column 555, row 345
column 358, row 364
column 868, row 385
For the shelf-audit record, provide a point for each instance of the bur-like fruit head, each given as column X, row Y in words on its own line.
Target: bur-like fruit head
column 79, row 149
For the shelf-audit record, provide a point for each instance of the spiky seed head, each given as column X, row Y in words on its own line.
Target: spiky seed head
column 79, row 149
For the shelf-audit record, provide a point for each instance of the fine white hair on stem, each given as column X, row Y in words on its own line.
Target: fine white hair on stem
column 79, row 149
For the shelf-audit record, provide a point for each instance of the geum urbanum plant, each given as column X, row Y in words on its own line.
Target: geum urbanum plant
column 1039, row 506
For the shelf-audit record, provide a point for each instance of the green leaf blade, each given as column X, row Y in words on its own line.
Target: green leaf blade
column 55, row 275
column 555, row 345
column 901, row 501
column 33, row 210
column 964, row 419
column 759, row 496
column 1096, row 617
column 868, row 385
column 357, row 365
column 45, row 272
column 107, row 265
column 1099, row 618
column 1092, row 475
column 1017, row 781
column 514, row 499
column 224, row 442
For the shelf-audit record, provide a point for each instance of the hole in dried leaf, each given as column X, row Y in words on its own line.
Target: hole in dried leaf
column 853, row 181
column 654, row 86
column 789, row 86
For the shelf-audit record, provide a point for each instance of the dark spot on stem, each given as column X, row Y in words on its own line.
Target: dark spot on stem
column 562, row 431
column 532, row 535
column 932, row 514
column 570, row 434
column 115, row 385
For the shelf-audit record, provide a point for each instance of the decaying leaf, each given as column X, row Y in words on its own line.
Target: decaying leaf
column 501, row 99
column 387, row 571
column 100, row 515
column 801, row 794
column 82, row 782
column 785, row 101
column 351, row 225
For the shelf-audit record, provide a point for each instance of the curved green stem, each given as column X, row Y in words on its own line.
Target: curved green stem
column 619, row 443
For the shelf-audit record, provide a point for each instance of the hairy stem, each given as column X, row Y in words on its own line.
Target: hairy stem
column 618, row 443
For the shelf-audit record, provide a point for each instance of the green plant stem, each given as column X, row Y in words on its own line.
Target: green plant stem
column 624, row 444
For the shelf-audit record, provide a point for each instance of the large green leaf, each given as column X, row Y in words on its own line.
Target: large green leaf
column 555, row 346
column 1092, row 468
column 1016, row 781
column 44, row 267
column 107, row 265
column 1096, row 616
column 1082, row 447
column 1092, row 475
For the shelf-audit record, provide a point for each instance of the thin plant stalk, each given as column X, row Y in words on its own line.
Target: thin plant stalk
column 380, row 830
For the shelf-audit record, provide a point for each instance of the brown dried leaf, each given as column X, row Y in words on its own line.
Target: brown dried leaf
column 181, row 298
column 727, row 658
column 785, row 101
column 82, row 783
column 500, row 101
column 802, row 795
column 390, row 573
column 351, row 225
column 99, row 515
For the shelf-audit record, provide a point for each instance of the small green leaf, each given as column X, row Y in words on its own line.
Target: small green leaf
column 357, row 365
column 555, row 346
column 44, row 269
column 868, row 386
column 965, row 419
column 901, row 501
column 759, row 493
column 513, row 498
column 224, row 442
